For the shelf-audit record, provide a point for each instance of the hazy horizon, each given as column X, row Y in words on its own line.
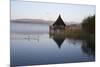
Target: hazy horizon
column 50, row 11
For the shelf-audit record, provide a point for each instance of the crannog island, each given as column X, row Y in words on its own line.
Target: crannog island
column 84, row 31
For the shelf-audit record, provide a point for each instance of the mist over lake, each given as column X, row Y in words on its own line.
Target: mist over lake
column 29, row 28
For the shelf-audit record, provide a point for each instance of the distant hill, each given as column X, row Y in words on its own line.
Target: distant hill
column 33, row 21
column 39, row 21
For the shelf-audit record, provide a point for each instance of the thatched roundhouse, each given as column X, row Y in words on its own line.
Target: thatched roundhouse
column 59, row 25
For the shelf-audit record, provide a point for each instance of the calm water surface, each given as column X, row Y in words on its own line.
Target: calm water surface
column 31, row 44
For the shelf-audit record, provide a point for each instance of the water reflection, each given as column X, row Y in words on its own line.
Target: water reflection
column 88, row 47
column 33, row 48
column 43, row 49
column 58, row 39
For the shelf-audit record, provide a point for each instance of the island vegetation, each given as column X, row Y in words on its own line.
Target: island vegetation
column 83, row 31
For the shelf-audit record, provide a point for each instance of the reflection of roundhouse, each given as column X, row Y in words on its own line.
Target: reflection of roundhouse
column 59, row 41
column 59, row 25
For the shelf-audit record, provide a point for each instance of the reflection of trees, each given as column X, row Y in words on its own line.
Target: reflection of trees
column 88, row 47
column 73, row 41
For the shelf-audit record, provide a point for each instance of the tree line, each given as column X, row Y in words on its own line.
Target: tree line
column 88, row 24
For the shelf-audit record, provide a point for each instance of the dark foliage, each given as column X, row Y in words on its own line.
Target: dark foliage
column 88, row 24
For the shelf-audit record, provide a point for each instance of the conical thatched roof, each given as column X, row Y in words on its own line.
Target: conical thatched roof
column 59, row 22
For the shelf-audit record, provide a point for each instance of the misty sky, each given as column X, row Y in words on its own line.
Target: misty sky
column 50, row 11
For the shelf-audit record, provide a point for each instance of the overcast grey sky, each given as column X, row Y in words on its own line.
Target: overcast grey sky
column 50, row 11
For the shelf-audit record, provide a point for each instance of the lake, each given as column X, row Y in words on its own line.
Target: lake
column 31, row 44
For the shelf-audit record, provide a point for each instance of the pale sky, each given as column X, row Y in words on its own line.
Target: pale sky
column 50, row 11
